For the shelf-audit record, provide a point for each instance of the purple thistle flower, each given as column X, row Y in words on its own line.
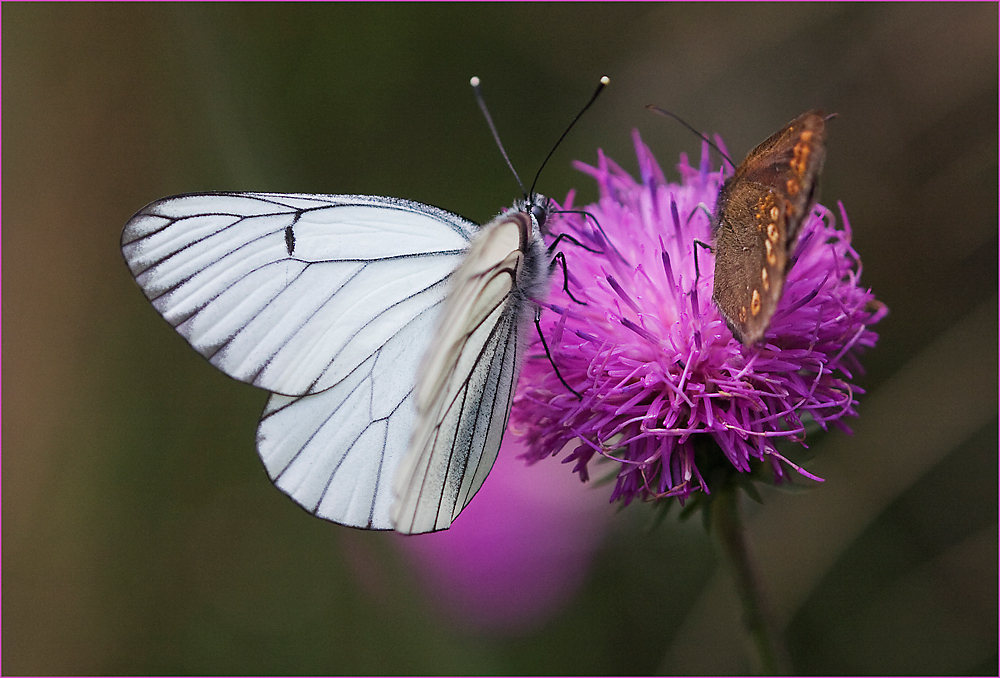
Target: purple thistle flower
column 660, row 374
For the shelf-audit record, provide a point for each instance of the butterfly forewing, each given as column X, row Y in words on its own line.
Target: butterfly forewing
column 759, row 213
column 467, row 381
column 789, row 162
column 480, row 285
column 218, row 268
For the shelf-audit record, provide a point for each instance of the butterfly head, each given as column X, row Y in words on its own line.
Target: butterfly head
column 538, row 207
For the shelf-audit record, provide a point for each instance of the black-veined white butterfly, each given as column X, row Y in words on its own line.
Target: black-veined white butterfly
column 389, row 333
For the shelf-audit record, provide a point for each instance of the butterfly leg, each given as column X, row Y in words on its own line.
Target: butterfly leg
column 697, row 272
column 560, row 258
column 599, row 230
column 548, row 354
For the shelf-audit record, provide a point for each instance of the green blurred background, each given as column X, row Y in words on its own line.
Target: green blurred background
column 140, row 534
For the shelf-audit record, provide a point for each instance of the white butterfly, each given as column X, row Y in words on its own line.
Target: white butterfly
column 332, row 302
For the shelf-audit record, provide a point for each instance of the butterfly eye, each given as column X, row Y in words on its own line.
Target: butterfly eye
column 539, row 213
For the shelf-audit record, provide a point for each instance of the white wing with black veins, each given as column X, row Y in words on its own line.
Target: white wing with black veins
column 328, row 301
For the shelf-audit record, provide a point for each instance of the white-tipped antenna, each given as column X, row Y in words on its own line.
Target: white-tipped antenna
column 604, row 82
column 474, row 81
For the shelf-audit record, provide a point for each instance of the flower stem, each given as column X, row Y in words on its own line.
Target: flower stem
column 757, row 616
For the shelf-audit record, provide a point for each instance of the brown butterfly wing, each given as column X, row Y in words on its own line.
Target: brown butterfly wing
column 789, row 162
column 759, row 213
column 751, row 255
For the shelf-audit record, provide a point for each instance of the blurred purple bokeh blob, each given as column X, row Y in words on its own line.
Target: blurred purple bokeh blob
column 519, row 550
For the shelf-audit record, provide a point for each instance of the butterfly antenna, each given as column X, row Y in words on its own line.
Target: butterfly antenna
column 605, row 81
column 663, row 111
column 477, row 90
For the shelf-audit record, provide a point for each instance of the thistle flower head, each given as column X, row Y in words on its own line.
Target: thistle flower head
column 659, row 383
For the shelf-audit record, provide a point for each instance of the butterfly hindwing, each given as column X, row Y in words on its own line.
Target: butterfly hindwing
column 337, row 451
column 750, row 262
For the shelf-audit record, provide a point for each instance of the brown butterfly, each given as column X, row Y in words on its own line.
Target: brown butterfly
column 757, row 218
